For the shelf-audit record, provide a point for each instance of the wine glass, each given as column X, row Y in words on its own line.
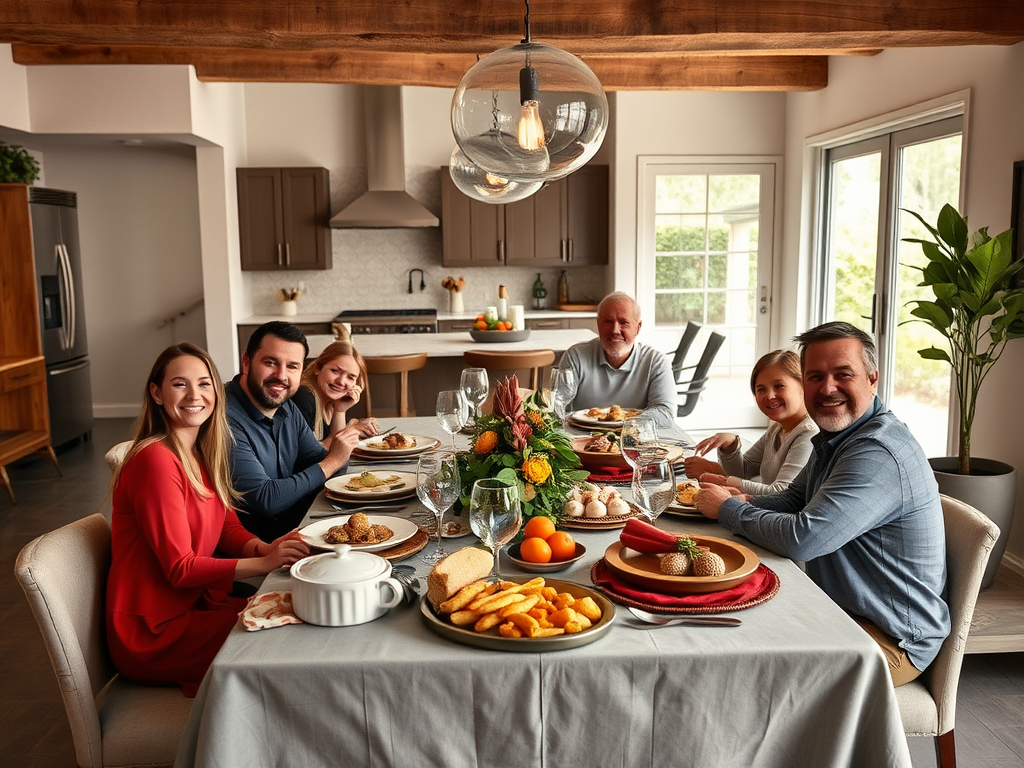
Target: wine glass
column 474, row 386
column 654, row 485
column 437, row 485
column 563, row 389
column 452, row 411
column 638, row 433
column 494, row 515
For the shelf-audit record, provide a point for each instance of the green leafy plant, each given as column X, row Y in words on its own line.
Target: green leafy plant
column 17, row 166
column 976, row 306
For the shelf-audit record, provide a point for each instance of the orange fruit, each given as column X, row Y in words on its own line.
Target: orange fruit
column 538, row 526
column 480, row 325
column 535, row 550
column 562, row 545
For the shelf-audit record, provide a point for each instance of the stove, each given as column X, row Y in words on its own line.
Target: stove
column 389, row 320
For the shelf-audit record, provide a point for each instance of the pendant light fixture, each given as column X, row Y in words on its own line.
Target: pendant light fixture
column 529, row 113
column 486, row 187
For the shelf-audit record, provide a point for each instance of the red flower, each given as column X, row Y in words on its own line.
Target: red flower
column 521, row 431
column 508, row 404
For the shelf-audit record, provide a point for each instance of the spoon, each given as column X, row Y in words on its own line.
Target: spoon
column 658, row 620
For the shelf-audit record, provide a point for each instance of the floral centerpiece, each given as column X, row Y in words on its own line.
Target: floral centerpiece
column 520, row 443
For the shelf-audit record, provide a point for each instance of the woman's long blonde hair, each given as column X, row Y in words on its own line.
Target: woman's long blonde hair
column 334, row 350
column 213, row 445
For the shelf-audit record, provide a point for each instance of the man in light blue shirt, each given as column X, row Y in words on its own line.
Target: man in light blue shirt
column 616, row 369
column 864, row 513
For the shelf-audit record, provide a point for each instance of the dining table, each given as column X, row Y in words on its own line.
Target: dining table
column 798, row 683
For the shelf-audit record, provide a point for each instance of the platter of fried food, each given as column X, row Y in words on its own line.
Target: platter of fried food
column 395, row 444
column 537, row 615
column 383, row 484
column 367, row 533
column 606, row 418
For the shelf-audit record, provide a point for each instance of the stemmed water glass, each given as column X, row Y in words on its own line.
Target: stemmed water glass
column 437, row 485
column 563, row 387
column 474, row 386
column 638, row 433
column 495, row 515
column 452, row 411
column 654, row 486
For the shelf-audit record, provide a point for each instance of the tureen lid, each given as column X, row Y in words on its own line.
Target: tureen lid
column 344, row 564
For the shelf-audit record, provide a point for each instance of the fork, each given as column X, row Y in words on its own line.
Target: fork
column 657, row 620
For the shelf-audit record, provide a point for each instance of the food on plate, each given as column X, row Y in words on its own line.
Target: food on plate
column 555, row 547
column 538, row 526
column 680, row 562
column 686, row 493
column 563, row 546
column 454, row 528
column 367, row 481
column 517, row 610
column 589, row 500
column 644, row 537
column 393, row 442
column 613, row 413
column 358, row 530
column 604, row 442
column 535, row 550
column 707, row 563
column 459, row 569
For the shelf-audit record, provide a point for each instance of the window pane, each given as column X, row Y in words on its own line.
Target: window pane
column 681, row 271
column 681, row 194
column 853, row 237
column 678, row 308
column 729, row 193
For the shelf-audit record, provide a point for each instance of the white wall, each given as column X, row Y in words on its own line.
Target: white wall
column 13, row 92
column 861, row 88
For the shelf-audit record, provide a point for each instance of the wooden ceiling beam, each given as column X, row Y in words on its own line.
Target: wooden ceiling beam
column 441, row 26
column 616, row 72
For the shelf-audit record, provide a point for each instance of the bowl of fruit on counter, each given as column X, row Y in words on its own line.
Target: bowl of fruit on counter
column 487, row 328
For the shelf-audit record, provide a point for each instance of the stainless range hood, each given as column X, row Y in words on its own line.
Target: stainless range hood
column 386, row 204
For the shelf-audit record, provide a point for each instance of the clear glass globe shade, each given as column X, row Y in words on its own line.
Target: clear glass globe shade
column 571, row 105
column 486, row 187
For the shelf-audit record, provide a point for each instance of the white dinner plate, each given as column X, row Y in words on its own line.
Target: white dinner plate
column 374, row 446
column 313, row 534
column 581, row 417
column 405, row 483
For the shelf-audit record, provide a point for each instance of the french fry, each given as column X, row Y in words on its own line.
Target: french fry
column 520, row 606
column 563, row 600
column 464, row 618
column 487, row 621
column 549, row 632
column 508, row 629
column 495, row 602
column 466, row 595
column 588, row 608
column 563, row 617
column 526, row 623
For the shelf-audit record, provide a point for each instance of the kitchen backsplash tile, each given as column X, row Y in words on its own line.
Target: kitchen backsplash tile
column 371, row 266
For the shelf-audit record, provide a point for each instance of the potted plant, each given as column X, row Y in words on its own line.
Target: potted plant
column 977, row 309
column 17, row 166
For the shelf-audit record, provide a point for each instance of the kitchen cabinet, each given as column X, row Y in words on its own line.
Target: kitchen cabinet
column 564, row 224
column 246, row 330
column 283, row 218
column 24, row 409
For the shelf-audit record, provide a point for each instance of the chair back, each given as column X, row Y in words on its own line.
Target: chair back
column 970, row 537
column 685, row 342
column 394, row 364
column 64, row 576
column 511, row 362
column 693, row 379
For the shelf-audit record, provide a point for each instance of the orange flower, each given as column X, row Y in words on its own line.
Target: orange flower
column 486, row 443
column 535, row 418
column 536, row 469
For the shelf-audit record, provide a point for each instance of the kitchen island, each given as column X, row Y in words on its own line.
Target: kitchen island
column 444, row 359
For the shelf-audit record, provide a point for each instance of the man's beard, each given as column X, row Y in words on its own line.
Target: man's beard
column 832, row 422
column 262, row 397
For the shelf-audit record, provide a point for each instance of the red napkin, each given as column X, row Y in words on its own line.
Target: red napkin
column 761, row 586
column 611, row 475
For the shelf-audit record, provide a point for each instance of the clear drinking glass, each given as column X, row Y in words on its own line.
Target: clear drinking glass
column 437, row 485
column 495, row 515
column 654, row 485
column 474, row 385
column 563, row 388
column 452, row 411
column 638, row 433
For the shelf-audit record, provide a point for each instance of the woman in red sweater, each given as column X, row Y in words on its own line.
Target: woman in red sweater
column 177, row 543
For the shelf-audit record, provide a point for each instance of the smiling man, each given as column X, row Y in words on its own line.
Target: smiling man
column 277, row 464
column 616, row 369
column 864, row 513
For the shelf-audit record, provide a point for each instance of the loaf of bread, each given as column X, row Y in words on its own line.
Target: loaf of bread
column 460, row 568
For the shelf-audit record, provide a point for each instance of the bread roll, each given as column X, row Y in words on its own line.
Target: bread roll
column 460, row 568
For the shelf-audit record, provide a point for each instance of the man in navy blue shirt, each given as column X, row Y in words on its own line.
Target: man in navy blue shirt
column 277, row 463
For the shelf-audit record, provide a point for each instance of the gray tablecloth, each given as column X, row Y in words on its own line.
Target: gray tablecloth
column 799, row 684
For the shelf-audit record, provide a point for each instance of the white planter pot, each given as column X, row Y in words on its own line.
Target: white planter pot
column 991, row 488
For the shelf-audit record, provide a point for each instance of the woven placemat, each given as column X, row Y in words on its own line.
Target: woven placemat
column 606, row 523
column 407, row 548
column 735, row 599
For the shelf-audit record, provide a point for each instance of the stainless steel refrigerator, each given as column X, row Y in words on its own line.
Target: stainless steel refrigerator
column 62, row 312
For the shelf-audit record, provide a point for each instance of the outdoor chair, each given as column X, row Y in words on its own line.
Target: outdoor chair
column 691, row 380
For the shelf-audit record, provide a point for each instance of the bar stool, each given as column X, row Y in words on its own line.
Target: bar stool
column 511, row 362
column 400, row 364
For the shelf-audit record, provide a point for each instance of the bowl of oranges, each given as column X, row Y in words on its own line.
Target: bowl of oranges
column 543, row 548
column 496, row 331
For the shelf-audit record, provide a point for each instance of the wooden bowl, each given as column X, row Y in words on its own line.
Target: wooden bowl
column 595, row 461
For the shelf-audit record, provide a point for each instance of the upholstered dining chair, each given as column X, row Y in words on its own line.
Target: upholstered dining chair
column 394, row 364
column 928, row 704
column 114, row 722
column 510, row 362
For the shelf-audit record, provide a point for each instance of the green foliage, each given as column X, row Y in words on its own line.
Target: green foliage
column 976, row 308
column 17, row 166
